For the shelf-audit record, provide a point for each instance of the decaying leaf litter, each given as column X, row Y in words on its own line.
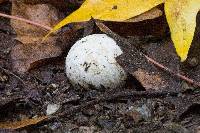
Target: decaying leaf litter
column 152, row 101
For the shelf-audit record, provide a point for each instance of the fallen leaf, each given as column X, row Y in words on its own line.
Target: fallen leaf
column 151, row 14
column 150, row 76
column 109, row 10
column 22, row 123
column 142, row 25
column 150, row 80
column 25, row 57
column 44, row 14
column 181, row 15
column 32, row 52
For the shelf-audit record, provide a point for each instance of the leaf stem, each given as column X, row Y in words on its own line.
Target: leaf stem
column 26, row 21
column 191, row 81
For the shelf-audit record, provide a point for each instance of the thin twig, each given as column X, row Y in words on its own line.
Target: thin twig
column 172, row 72
column 14, row 75
column 26, row 21
column 105, row 29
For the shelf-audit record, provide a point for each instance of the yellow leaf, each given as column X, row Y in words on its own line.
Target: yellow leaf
column 110, row 10
column 181, row 17
column 151, row 14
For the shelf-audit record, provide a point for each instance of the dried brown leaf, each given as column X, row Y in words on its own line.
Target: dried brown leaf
column 22, row 123
column 30, row 53
column 25, row 57
column 150, row 80
column 44, row 14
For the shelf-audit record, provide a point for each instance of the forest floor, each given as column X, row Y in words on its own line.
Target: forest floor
column 167, row 104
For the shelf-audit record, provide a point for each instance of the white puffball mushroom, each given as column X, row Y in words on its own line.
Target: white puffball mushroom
column 91, row 61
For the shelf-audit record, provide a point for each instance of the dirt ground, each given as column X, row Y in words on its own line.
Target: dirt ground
column 128, row 109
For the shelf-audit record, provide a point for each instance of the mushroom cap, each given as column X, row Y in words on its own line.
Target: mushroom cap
column 91, row 62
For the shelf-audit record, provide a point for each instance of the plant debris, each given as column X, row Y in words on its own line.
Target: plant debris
column 161, row 94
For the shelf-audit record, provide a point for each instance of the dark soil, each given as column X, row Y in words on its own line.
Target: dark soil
column 128, row 109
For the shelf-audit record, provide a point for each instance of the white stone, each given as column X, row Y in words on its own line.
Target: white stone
column 52, row 108
column 91, row 61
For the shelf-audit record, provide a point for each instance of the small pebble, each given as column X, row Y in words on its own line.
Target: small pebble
column 139, row 113
column 193, row 62
column 3, row 78
column 52, row 108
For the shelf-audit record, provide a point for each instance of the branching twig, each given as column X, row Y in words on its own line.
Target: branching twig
column 26, row 21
